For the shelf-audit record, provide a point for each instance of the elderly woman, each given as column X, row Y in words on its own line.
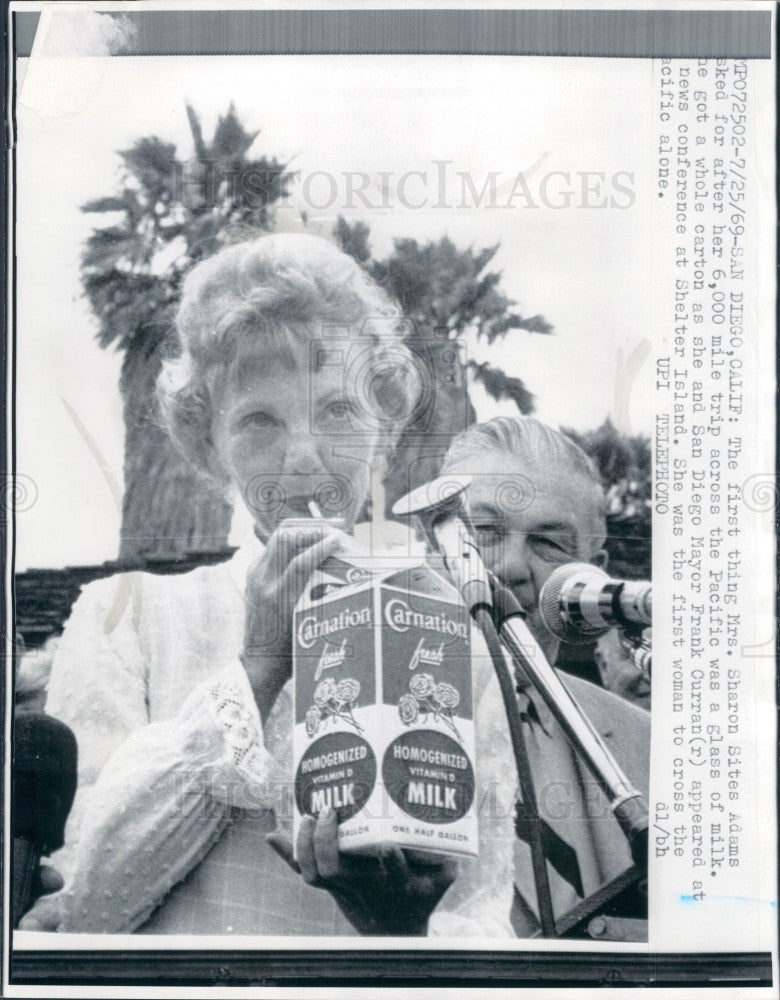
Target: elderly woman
column 291, row 384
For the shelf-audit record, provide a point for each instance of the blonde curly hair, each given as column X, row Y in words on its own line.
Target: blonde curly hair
column 288, row 290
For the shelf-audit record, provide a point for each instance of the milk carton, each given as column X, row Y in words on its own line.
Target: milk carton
column 384, row 720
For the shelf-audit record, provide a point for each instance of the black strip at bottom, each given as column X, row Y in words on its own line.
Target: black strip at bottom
column 388, row 968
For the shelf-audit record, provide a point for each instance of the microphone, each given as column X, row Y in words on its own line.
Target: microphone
column 579, row 603
column 440, row 508
column 44, row 784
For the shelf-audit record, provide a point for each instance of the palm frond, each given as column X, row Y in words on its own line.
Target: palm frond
column 231, row 140
column 500, row 386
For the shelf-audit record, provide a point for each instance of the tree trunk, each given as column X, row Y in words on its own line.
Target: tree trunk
column 167, row 508
column 445, row 411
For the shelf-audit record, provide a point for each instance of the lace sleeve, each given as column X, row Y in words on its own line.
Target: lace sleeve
column 479, row 902
column 97, row 687
column 160, row 803
column 153, row 797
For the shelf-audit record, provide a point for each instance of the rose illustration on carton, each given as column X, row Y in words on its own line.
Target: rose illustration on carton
column 429, row 698
column 375, row 735
column 333, row 701
column 422, row 686
column 408, row 709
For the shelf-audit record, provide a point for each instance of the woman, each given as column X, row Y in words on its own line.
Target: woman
column 291, row 384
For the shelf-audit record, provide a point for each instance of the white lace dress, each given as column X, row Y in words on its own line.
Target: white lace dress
column 178, row 784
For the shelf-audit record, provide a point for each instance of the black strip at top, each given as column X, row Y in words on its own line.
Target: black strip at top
column 705, row 34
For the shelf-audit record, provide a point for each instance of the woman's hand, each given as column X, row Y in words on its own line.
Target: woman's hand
column 274, row 584
column 393, row 894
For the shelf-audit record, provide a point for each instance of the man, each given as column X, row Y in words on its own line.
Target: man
column 537, row 503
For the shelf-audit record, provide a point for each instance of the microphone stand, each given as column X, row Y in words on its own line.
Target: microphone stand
column 444, row 520
column 499, row 618
column 528, row 823
column 626, row 802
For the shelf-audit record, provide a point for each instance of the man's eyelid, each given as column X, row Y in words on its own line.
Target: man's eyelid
column 488, row 534
column 483, row 515
column 560, row 539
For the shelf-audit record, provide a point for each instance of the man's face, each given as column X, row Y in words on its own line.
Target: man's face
column 529, row 519
column 283, row 432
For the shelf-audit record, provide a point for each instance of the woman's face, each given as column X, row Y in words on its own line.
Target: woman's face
column 287, row 435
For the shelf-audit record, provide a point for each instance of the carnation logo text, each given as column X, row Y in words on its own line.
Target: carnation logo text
column 400, row 617
column 310, row 628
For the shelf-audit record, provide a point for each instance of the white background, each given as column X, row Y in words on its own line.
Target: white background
column 584, row 270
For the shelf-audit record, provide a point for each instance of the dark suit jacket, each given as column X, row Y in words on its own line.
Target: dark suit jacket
column 584, row 843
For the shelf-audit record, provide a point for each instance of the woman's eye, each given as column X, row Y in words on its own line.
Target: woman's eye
column 258, row 420
column 339, row 410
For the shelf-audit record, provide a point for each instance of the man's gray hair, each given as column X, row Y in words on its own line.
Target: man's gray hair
column 525, row 438
column 521, row 437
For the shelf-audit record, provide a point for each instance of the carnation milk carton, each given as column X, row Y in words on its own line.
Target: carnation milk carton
column 384, row 718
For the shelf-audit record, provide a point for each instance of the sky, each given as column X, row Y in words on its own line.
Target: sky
column 585, row 269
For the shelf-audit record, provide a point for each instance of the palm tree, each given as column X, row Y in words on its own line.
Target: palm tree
column 172, row 213
column 625, row 466
column 447, row 294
